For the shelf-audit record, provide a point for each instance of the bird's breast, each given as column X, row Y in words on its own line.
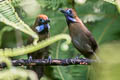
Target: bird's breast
column 43, row 36
column 79, row 37
column 75, row 30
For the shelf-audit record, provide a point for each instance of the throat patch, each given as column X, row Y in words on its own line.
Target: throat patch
column 40, row 28
column 48, row 26
column 71, row 19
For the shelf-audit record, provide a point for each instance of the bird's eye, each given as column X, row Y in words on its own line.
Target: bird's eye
column 41, row 20
column 69, row 11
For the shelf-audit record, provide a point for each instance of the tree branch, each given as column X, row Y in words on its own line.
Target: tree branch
column 48, row 62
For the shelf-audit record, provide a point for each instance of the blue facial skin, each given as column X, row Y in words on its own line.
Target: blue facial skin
column 42, row 21
column 40, row 28
column 69, row 16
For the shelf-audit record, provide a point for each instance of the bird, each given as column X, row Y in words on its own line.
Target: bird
column 82, row 38
column 41, row 27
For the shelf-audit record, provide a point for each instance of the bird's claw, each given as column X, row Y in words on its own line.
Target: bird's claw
column 30, row 58
column 77, row 57
column 66, row 60
column 49, row 60
column 73, row 61
column 29, row 62
column 83, row 61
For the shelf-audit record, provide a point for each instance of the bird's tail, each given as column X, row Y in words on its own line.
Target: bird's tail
column 97, row 57
column 39, row 70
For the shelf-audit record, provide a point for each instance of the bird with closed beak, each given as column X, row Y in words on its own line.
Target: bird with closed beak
column 41, row 27
column 82, row 38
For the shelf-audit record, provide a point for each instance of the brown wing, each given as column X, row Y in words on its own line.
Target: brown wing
column 79, row 36
column 92, row 40
column 82, row 39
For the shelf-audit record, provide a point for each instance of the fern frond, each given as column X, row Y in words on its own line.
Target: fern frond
column 10, row 17
column 8, row 52
column 15, row 2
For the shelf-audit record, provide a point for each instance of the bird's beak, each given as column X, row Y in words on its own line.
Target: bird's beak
column 62, row 10
column 47, row 21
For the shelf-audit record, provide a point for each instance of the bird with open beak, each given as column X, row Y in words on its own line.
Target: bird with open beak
column 41, row 27
column 82, row 38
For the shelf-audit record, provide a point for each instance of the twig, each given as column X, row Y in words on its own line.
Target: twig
column 52, row 62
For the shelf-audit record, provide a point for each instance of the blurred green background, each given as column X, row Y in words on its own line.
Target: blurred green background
column 101, row 17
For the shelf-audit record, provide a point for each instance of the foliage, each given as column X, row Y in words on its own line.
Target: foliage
column 2, row 31
column 101, row 18
column 12, row 73
column 52, row 4
column 10, row 17
column 16, row 2
column 110, row 1
column 109, row 68
column 115, row 2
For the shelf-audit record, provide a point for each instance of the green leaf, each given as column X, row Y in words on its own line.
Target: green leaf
column 10, row 17
column 108, row 69
column 102, row 19
column 52, row 4
column 15, row 2
column 3, row 31
column 92, row 18
column 115, row 2
column 111, row 1
column 118, row 5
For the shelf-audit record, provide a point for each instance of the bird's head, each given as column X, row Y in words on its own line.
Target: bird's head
column 70, row 14
column 41, row 23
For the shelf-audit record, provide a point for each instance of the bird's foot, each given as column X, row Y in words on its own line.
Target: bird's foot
column 49, row 60
column 66, row 60
column 82, row 59
column 76, row 58
column 73, row 61
column 30, row 59
column 83, row 62
column 29, row 62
